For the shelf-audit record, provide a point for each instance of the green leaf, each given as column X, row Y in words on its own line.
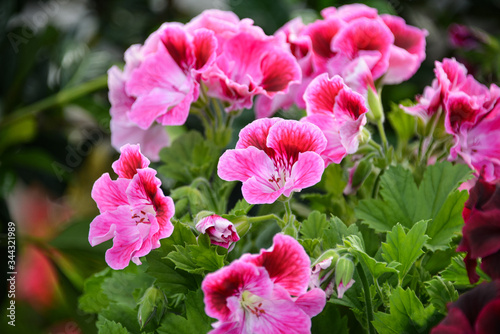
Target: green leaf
column 405, row 248
column 457, row 273
column 407, row 314
column 441, row 292
column 122, row 314
column 189, row 157
column 329, row 318
column 314, row 226
column 336, row 232
column 93, row 299
column 182, row 259
column 403, row 123
column 105, row 326
column 375, row 267
column 241, row 208
column 196, row 321
column 205, row 254
column 448, row 222
column 120, row 287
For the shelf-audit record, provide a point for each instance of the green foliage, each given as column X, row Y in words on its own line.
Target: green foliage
column 328, row 319
column 195, row 321
column 407, row 314
column 441, row 292
column 93, row 299
column 456, row 273
column 189, row 157
column 106, row 326
column 404, row 248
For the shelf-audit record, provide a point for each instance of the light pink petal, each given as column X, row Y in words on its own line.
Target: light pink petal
column 147, row 108
column 205, row 47
column 279, row 70
column 151, row 140
column 286, row 262
column 242, row 164
column 147, row 233
column 342, row 288
column 259, row 190
column 306, row 172
column 321, row 93
column 358, row 77
column 312, row 302
column 255, row 134
column 349, row 106
column 461, row 111
column 121, row 103
column 131, row 159
column 165, row 210
column 334, row 151
column 232, row 281
column 289, row 138
column 180, row 112
column 143, row 188
column 355, row 11
column 178, row 44
column 109, row 194
column 366, row 38
column 321, row 33
column 402, row 66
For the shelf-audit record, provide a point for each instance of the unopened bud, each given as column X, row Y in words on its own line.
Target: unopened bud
column 221, row 231
column 322, row 272
column 357, row 175
column 343, row 275
column 376, row 112
column 152, row 306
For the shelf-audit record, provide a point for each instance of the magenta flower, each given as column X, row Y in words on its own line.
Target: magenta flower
column 475, row 312
column 265, row 293
column 274, row 157
column 407, row 52
column 338, row 112
column 465, row 37
column 134, row 211
column 481, row 232
column 220, row 230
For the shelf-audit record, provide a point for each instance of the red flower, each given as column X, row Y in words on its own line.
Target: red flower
column 481, row 233
column 475, row 312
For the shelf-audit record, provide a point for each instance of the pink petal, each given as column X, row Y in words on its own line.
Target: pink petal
column 279, row 70
column 143, row 188
column 255, row 134
column 342, row 288
column 232, row 281
column 312, row 302
column 109, row 194
column 131, row 159
column 178, row 45
column 321, row 33
column 321, row 93
column 180, row 112
column 306, row 172
column 147, row 108
column 205, row 47
column 165, row 210
column 259, row 190
column 121, row 103
column 289, row 138
column 242, row 164
column 354, row 11
column 151, row 140
column 402, row 66
column 286, row 262
column 334, row 151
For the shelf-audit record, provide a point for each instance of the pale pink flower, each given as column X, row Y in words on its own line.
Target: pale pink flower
column 350, row 12
column 407, row 52
column 265, row 293
column 338, row 112
column 274, row 157
column 134, row 211
column 220, row 230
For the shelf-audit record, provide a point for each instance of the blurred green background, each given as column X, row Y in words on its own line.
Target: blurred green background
column 54, row 122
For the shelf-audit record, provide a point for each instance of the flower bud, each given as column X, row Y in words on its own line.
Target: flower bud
column 376, row 112
column 151, row 306
column 322, row 273
column 220, row 230
column 357, row 175
column 343, row 275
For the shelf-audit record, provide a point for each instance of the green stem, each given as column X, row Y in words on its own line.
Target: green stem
column 376, row 146
column 288, row 211
column 380, row 127
column 258, row 219
column 368, row 298
column 59, row 99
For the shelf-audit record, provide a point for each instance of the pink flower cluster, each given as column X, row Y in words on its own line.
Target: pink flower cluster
column 472, row 116
column 233, row 58
column 352, row 41
column 264, row 293
column 134, row 211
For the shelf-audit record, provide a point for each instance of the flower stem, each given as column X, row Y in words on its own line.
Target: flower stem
column 380, row 127
column 288, row 211
column 259, row 219
column 368, row 299
column 59, row 99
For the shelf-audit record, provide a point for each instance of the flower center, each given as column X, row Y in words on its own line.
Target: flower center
column 251, row 303
column 141, row 215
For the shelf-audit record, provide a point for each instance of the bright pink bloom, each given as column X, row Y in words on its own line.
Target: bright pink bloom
column 254, row 294
column 221, row 231
column 338, row 112
column 274, row 157
column 407, row 52
column 158, row 85
column 134, row 211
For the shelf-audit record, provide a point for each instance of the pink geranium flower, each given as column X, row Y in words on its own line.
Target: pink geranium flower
column 265, row 293
column 274, row 157
column 338, row 112
column 134, row 211
column 220, row 230
column 407, row 52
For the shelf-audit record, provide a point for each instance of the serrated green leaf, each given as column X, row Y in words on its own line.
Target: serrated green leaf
column 329, row 318
column 241, row 208
column 375, row 267
column 441, row 292
column 122, row 314
column 93, row 299
column 120, row 286
column 105, row 326
column 196, row 321
column 457, row 273
column 314, row 226
column 403, row 123
column 336, row 232
column 205, row 255
column 448, row 221
column 405, row 248
column 407, row 314
column 182, row 259
column 311, row 246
